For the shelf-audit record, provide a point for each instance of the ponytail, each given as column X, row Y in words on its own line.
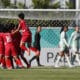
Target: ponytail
column 62, row 29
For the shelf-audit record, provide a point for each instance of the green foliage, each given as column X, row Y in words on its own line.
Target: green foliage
column 41, row 4
column 6, row 3
column 35, row 23
column 55, row 5
column 2, row 20
column 20, row 5
column 69, row 5
column 45, row 4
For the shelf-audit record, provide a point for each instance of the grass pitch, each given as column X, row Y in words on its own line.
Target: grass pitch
column 44, row 73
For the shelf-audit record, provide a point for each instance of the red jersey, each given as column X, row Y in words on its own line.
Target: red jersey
column 1, row 40
column 24, row 28
column 17, row 38
column 1, row 44
column 8, row 38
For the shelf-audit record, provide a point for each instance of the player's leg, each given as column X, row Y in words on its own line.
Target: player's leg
column 16, row 58
column 11, row 58
column 2, row 57
column 61, row 54
column 7, row 57
column 77, row 58
column 23, row 42
column 67, row 57
column 3, row 62
column 76, row 55
column 21, row 54
column 73, row 59
column 36, row 53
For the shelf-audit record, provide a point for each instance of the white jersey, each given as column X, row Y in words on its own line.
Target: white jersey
column 74, row 41
column 63, row 41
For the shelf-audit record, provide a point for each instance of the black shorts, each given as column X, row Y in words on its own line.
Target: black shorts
column 37, row 46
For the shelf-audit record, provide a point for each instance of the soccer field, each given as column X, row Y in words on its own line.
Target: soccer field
column 41, row 74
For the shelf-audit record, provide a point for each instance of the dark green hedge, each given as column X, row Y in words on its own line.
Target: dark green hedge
column 43, row 23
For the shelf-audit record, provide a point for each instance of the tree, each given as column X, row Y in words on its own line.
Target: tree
column 45, row 4
column 55, row 5
column 69, row 5
column 41, row 4
column 6, row 3
column 20, row 5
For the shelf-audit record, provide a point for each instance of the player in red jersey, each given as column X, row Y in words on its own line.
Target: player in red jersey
column 16, row 39
column 10, row 49
column 26, row 35
column 2, row 59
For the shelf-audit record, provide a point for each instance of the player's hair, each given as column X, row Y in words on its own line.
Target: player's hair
column 6, row 27
column 12, row 26
column 38, row 26
column 62, row 28
column 1, row 27
column 21, row 15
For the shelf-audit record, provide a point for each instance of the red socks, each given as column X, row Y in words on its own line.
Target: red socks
column 23, row 48
column 8, row 63
column 19, row 63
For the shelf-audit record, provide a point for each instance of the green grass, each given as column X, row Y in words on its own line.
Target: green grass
column 41, row 74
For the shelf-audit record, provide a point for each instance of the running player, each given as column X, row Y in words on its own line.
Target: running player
column 16, row 39
column 74, row 44
column 63, row 47
column 26, row 35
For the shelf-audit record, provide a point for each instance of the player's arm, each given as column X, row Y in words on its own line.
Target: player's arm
column 64, row 40
column 15, row 31
column 70, row 40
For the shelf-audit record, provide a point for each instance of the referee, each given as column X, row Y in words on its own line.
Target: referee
column 37, row 45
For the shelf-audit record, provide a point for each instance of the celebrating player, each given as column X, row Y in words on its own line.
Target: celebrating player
column 26, row 36
column 16, row 39
column 10, row 49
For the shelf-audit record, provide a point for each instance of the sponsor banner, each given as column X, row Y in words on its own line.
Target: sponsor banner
column 47, row 56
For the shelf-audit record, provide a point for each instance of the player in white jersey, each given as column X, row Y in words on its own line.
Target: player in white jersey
column 74, row 44
column 64, row 47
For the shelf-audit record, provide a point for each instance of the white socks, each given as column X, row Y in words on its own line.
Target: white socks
column 68, row 61
column 58, row 59
column 77, row 58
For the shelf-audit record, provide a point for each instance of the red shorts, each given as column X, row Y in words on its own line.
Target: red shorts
column 2, row 49
column 26, row 38
column 10, row 50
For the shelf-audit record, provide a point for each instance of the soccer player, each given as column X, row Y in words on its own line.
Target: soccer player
column 16, row 39
column 2, row 60
column 10, row 49
column 26, row 36
column 37, row 44
column 63, row 47
column 74, row 44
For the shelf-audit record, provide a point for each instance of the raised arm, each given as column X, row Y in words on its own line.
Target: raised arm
column 15, row 31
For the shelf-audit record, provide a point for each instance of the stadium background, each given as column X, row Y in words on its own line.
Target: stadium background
column 49, row 44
